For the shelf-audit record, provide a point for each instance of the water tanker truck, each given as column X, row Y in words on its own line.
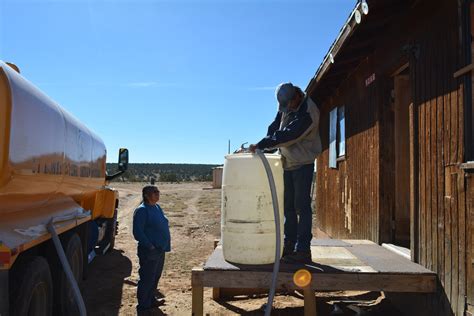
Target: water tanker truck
column 52, row 171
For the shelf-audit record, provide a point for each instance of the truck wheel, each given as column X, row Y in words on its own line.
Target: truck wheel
column 32, row 288
column 111, row 231
column 65, row 303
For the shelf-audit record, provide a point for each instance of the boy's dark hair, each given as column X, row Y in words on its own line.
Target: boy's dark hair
column 147, row 190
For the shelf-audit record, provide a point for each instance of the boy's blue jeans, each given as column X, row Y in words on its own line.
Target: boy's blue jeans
column 297, row 196
column 151, row 267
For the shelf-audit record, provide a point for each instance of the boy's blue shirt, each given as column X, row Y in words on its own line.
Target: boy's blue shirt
column 150, row 227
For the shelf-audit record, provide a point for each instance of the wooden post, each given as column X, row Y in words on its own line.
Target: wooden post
column 216, row 291
column 198, row 300
column 197, row 292
column 309, row 302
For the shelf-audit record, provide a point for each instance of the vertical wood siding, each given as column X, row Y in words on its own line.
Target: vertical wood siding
column 442, row 198
column 470, row 248
column 347, row 204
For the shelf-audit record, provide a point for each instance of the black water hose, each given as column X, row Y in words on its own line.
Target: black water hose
column 276, row 265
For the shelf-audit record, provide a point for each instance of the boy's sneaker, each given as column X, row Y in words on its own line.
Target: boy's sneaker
column 158, row 302
column 298, row 257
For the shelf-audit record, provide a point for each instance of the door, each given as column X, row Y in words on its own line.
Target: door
column 401, row 213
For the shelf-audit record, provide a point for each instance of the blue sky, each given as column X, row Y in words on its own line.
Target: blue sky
column 173, row 80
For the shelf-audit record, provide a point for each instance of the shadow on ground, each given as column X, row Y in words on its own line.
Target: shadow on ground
column 105, row 279
column 370, row 303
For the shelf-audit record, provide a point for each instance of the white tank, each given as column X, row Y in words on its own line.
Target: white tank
column 247, row 217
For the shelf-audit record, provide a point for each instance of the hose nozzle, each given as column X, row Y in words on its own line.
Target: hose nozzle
column 242, row 149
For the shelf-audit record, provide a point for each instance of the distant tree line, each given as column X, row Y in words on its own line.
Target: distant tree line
column 165, row 172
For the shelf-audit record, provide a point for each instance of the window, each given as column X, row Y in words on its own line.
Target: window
column 337, row 135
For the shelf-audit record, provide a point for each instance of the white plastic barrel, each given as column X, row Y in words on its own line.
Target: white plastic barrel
column 247, row 217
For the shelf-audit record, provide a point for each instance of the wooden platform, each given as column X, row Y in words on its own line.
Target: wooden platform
column 337, row 265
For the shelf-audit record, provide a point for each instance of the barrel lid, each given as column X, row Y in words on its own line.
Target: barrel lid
column 251, row 156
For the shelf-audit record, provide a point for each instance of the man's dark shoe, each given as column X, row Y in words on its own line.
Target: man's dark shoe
column 298, row 257
column 288, row 249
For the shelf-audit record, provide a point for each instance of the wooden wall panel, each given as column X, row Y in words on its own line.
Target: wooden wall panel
column 470, row 241
column 442, row 201
column 347, row 205
column 442, row 75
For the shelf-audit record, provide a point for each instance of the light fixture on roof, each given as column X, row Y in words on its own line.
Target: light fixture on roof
column 331, row 58
column 365, row 7
column 357, row 16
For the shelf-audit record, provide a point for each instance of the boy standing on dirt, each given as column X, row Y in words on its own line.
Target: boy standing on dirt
column 151, row 230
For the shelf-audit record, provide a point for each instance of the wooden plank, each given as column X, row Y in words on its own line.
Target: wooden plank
column 373, row 228
column 359, row 241
column 422, row 142
column 440, row 158
column 427, row 162
column 463, row 71
column 414, row 219
column 381, row 99
column 414, row 160
column 233, row 292
column 460, row 156
column 448, row 202
column 469, row 166
column 216, row 293
column 454, row 126
column 455, row 244
column 450, row 115
column 470, row 260
column 458, row 302
column 433, row 158
column 385, row 261
column 462, row 219
column 447, row 172
column 330, row 243
column 447, row 105
column 321, row 281
column 197, row 292
column 309, row 302
column 470, row 205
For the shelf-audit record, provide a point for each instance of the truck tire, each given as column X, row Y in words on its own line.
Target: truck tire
column 32, row 288
column 64, row 295
column 111, row 231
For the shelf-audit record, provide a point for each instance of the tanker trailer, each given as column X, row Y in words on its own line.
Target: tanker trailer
column 52, row 168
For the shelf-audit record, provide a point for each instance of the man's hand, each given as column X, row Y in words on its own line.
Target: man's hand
column 252, row 148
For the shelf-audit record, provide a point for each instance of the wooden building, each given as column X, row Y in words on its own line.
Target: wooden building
column 396, row 101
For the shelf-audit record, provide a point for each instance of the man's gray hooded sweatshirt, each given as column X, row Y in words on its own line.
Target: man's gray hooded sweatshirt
column 296, row 134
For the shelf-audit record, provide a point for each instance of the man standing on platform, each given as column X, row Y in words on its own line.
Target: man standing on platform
column 295, row 132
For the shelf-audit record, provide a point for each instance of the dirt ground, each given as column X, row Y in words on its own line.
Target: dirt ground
column 193, row 210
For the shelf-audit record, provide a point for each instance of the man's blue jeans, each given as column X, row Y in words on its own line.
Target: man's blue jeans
column 151, row 267
column 298, row 198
